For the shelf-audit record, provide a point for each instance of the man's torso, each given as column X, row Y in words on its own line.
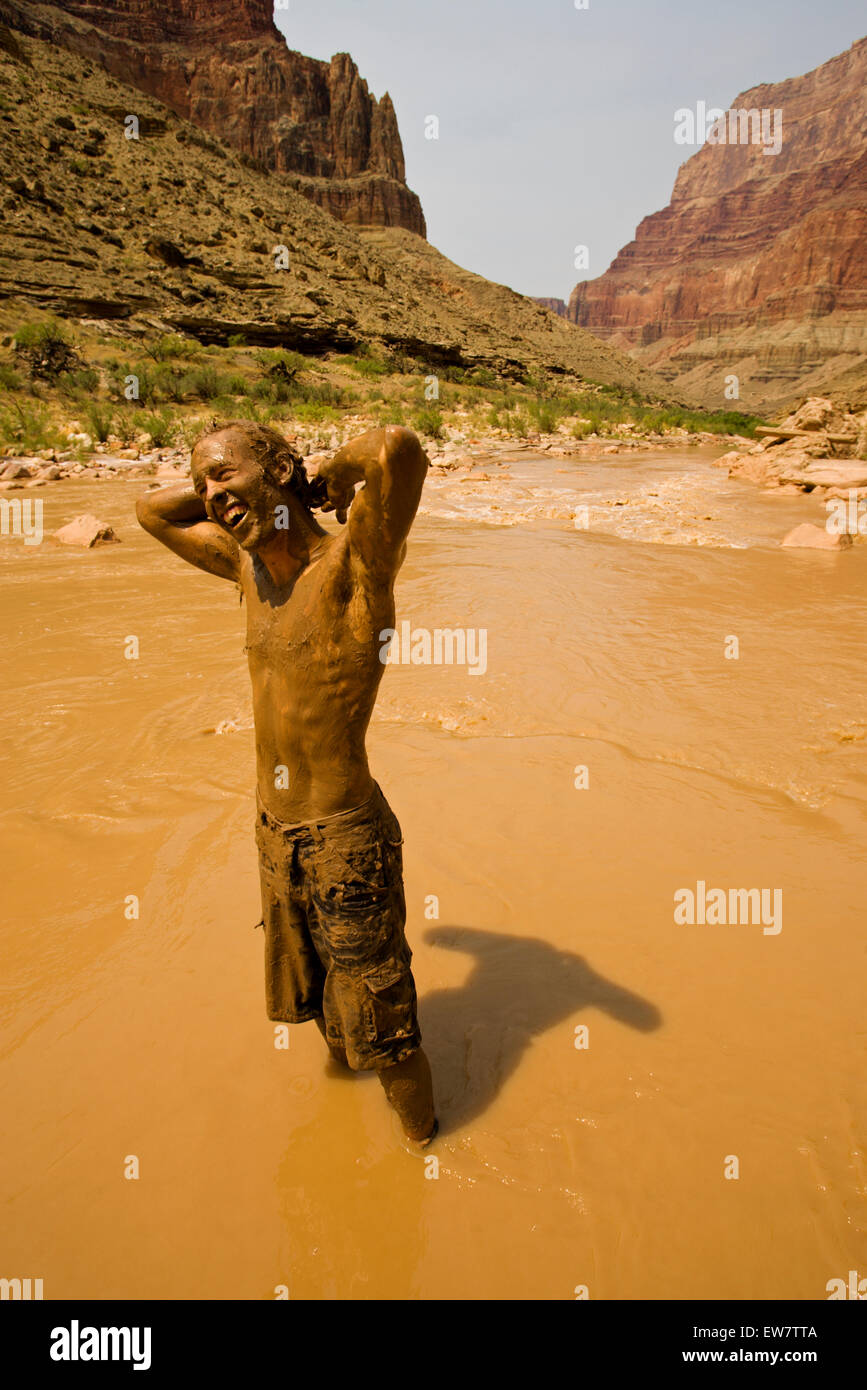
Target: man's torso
column 313, row 652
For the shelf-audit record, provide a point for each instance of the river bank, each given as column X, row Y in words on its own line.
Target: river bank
column 22, row 470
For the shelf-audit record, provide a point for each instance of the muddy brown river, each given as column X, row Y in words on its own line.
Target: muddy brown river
column 632, row 1105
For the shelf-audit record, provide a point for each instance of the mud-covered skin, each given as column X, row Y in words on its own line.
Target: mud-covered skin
column 315, row 673
column 316, row 604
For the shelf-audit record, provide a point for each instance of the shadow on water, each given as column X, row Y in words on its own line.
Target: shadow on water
column 475, row 1034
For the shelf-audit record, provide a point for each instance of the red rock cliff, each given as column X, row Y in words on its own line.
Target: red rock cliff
column 750, row 239
column 224, row 65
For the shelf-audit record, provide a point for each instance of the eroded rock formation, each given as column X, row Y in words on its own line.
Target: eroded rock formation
column 224, row 65
column 758, row 266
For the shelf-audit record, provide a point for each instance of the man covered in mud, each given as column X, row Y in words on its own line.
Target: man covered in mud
column 329, row 845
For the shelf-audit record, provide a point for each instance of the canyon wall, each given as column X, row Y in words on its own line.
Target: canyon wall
column 224, row 65
column 758, row 265
column 177, row 234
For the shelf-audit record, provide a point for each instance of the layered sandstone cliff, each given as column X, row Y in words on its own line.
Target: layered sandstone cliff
column 224, row 65
column 758, row 266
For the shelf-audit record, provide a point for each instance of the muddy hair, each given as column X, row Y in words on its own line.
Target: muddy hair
column 281, row 465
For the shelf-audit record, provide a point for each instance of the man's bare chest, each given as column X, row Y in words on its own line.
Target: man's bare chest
column 317, row 623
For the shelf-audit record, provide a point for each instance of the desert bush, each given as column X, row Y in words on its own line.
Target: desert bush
column 46, row 348
column 272, row 389
column 100, row 419
column 161, row 425
column 166, row 383
column 81, row 382
column 205, row 383
column 170, row 346
column 428, row 421
column 127, row 425
column 27, row 426
column 482, row 376
column 9, row 378
column 366, row 365
column 148, row 384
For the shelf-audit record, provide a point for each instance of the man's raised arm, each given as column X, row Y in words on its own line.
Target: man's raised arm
column 176, row 516
column 392, row 465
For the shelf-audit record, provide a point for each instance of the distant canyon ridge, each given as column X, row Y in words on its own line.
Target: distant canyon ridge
column 757, row 268
column 224, row 66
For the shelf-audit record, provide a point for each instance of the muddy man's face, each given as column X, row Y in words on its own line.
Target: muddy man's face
column 235, row 491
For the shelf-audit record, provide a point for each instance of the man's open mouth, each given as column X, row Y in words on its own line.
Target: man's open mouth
column 234, row 514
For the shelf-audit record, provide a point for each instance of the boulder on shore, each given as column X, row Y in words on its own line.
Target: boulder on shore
column 814, row 414
column 810, row 537
column 828, row 473
column 86, row 531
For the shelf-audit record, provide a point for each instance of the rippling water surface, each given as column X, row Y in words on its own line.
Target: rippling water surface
column 600, row 1165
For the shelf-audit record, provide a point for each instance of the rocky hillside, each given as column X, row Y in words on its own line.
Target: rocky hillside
column 173, row 231
column 758, row 266
column 224, row 66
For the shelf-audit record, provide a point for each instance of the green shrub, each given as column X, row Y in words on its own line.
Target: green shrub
column 28, row 427
column 160, row 425
column 166, row 383
column 47, row 349
column 272, row 389
column 100, row 419
column 127, row 425
column 545, row 414
column 83, row 381
column 9, row 378
column 205, row 383
column 281, row 362
column 591, row 424
column 366, row 365
column 429, row 421
column 171, row 345
column 314, row 412
column 118, row 372
column 482, row 376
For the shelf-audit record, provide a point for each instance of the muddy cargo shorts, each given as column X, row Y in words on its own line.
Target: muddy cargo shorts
column 334, row 914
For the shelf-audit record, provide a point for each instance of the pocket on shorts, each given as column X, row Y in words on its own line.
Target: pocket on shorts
column 360, row 870
column 365, row 863
column 389, row 1004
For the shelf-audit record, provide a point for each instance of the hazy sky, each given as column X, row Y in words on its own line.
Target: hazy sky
column 556, row 124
